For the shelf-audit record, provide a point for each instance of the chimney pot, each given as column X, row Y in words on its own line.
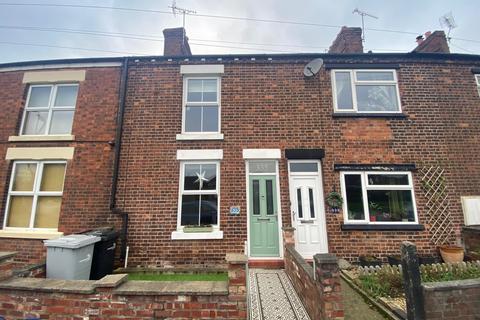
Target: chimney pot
column 419, row 39
column 428, row 34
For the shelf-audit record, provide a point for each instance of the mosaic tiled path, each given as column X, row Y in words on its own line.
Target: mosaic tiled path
column 272, row 296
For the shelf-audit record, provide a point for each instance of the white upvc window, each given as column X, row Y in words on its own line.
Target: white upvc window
column 199, row 194
column 477, row 79
column 201, row 105
column 378, row 197
column 365, row 91
column 35, row 195
column 49, row 109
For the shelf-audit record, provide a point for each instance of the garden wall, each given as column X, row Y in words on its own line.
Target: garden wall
column 319, row 289
column 452, row 300
column 112, row 297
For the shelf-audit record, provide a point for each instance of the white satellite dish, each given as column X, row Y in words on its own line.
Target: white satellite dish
column 313, row 67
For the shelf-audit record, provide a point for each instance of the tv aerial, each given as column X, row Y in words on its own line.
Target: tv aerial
column 179, row 10
column 313, row 67
column 363, row 14
column 448, row 22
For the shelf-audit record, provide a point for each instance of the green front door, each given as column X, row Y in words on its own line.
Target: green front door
column 263, row 216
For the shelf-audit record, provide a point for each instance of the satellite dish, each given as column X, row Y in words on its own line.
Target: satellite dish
column 313, row 67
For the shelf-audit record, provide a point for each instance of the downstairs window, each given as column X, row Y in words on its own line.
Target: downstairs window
column 378, row 197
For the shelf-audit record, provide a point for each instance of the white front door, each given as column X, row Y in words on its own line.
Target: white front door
column 308, row 213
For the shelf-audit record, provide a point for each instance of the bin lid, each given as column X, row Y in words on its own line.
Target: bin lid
column 105, row 234
column 73, row 241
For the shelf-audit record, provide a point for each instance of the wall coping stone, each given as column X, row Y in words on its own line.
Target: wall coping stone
column 49, row 285
column 449, row 285
column 163, row 288
column 111, row 280
column 325, row 258
column 236, row 258
column 4, row 255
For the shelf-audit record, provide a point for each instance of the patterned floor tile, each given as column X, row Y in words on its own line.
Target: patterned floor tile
column 272, row 296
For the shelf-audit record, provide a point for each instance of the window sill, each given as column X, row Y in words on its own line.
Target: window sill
column 368, row 115
column 67, row 137
column 383, row 227
column 30, row 234
column 180, row 235
column 199, row 136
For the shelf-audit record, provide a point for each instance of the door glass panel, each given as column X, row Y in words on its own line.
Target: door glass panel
column 24, row 177
column 312, row 203
column 262, row 166
column 303, row 167
column 299, row 203
column 269, row 186
column 256, row 197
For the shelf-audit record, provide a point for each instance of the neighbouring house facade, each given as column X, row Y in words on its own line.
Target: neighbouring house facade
column 229, row 153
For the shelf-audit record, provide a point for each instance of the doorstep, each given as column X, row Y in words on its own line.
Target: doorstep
column 266, row 264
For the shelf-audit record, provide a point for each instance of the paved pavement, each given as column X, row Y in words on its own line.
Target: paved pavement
column 356, row 308
column 272, row 296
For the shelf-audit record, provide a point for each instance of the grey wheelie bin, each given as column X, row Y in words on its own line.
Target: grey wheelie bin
column 70, row 257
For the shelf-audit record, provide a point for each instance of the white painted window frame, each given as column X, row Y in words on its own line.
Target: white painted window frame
column 366, row 187
column 35, row 193
column 477, row 79
column 179, row 233
column 354, row 82
column 50, row 108
column 185, row 104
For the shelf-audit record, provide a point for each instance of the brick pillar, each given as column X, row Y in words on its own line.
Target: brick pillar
column 237, row 283
column 288, row 235
column 6, row 265
column 327, row 274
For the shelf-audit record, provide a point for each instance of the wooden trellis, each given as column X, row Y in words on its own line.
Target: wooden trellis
column 437, row 205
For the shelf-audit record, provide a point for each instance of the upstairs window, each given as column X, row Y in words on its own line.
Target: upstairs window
column 35, row 195
column 365, row 91
column 477, row 78
column 201, row 112
column 378, row 197
column 49, row 109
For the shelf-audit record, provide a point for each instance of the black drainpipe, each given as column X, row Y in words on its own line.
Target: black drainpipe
column 116, row 161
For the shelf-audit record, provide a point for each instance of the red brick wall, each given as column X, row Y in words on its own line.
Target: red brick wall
column 271, row 105
column 452, row 300
column 85, row 202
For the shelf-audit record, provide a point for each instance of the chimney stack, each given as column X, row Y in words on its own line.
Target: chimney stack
column 176, row 42
column 349, row 40
column 434, row 42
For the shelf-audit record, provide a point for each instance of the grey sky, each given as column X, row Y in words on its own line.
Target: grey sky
column 406, row 15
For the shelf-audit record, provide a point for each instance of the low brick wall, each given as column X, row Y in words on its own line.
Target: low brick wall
column 452, row 300
column 319, row 289
column 112, row 297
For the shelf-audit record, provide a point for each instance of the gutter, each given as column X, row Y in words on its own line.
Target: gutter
column 116, row 162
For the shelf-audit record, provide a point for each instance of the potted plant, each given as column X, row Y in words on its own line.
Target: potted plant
column 334, row 201
column 451, row 253
column 375, row 211
column 369, row 261
column 199, row 228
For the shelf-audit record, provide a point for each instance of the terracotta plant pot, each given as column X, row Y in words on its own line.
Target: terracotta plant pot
column 451, row 254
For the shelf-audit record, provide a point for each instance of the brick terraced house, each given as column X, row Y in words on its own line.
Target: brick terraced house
column 194, row 156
